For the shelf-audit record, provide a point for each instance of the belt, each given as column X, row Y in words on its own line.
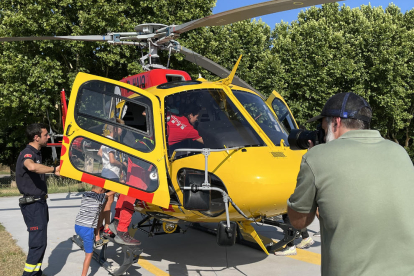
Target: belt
column 41, row 197
column 31, row 199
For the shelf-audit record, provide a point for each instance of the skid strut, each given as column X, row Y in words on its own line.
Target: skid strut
column 130, row 256
column 246, row 238
column 289, row 232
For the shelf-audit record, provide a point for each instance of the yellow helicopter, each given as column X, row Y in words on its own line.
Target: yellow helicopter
column 242, row 169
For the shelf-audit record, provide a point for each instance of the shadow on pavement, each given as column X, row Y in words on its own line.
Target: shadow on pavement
column 58, row 257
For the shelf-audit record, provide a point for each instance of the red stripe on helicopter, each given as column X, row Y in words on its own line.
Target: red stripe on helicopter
column 63, row 150
column 65, row 139
column 94, row 180
column 140, row 195
column 170, row 209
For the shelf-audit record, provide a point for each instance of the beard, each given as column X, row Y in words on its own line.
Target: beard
column 330, row 136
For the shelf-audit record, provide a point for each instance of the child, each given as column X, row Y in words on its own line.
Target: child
column 112, row 170
column 87, row 221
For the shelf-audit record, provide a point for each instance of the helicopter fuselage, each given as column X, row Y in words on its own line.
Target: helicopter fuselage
column 258, row 178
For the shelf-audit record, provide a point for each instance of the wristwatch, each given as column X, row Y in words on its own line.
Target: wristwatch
column 54, row 169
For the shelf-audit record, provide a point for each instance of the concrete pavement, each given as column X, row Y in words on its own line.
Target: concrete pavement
column 192, row 253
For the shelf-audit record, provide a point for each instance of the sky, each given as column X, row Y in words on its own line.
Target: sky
column 288, row 16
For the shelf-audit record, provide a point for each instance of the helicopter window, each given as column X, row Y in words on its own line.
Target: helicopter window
column 219, row 123
column 100, row 160
column 171, row 78
column 174, row 83
column 283, row 114
column 261, row 113
column 100, row 107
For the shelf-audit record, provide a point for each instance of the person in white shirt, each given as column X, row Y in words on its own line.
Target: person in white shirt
column 111, row 169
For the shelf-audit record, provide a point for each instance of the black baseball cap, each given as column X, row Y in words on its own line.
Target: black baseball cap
column 344, row 105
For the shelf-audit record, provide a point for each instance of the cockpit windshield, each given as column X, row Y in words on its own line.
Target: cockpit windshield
column 206, row 118
column 265, row 118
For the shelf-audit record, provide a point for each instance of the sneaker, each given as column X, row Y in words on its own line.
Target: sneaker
column 287, row 251
column 317, row 234
column 305, row 243
column 125, row 238
column 100, row 243
column 113, row 226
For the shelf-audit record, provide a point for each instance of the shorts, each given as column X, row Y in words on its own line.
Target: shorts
column 88, row 237
column 110, row 175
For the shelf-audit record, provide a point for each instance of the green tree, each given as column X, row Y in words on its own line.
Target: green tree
column 224, row 45
column 33, row 72
column 365, row 50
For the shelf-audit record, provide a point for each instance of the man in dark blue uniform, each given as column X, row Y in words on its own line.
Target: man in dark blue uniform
column 30, row 179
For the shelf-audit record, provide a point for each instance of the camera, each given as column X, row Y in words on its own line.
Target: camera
column 298, row 138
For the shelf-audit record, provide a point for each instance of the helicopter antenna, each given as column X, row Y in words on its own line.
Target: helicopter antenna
column 229, row 79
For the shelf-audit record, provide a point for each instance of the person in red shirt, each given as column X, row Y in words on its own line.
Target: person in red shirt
column 137, row 175
column 180, row 128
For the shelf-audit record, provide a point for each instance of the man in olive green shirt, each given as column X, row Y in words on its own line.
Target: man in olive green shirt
column 363, row 186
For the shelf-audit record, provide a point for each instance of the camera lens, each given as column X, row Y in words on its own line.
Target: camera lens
column 298, row 139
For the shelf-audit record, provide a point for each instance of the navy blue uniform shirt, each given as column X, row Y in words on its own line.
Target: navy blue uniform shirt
column 30, row 183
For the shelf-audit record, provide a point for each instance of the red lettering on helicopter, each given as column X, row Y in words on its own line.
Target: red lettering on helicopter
column 138, row 81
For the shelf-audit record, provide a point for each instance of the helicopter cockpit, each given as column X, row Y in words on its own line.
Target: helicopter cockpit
column 220, row 122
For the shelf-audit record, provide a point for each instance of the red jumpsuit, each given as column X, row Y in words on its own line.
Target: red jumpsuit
column 124, row 209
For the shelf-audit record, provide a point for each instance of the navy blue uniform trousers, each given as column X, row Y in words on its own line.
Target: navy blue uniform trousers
column 36, row 217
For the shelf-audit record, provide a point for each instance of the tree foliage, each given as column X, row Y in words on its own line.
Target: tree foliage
column 365, row 50
column 325, row 51
column 33, row 72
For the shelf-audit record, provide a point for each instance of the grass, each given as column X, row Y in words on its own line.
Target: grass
column 54, row 184
column 12, row 257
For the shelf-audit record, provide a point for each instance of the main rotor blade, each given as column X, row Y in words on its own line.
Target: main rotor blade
column 247, row 12
column 79, row 38
column 214, row 68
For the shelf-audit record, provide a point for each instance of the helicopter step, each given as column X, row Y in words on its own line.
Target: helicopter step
column 130, row 255
column 247, row 235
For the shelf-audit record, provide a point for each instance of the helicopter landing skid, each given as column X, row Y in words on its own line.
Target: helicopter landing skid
column 131, row 255
column 247, row 235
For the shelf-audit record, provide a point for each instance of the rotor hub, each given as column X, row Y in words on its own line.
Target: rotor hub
column 149, row 28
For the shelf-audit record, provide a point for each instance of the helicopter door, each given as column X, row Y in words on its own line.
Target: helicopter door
column 113, row 142
column 282, row 110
